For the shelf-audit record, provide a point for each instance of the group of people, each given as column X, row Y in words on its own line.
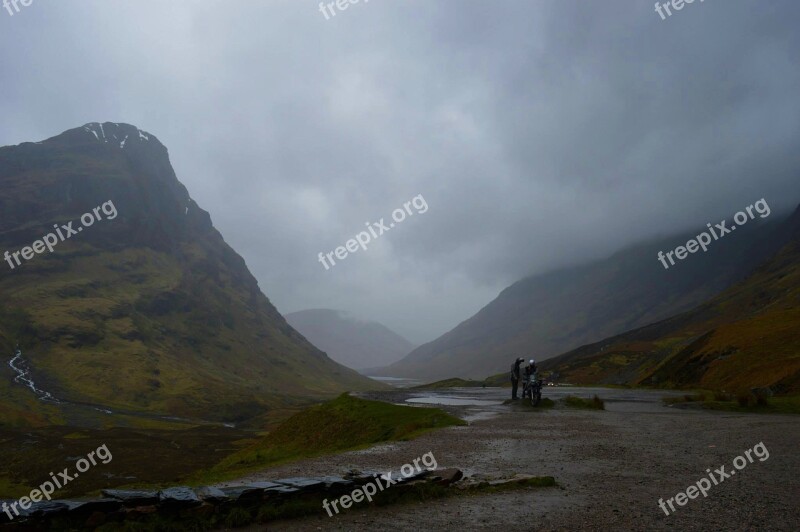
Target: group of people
column 530, row 373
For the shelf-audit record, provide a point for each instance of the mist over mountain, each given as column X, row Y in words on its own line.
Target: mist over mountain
column 149, row 310
column 355, row 343
column 746, row 337
column 545, row 315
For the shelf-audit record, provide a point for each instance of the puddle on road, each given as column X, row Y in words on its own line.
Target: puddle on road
column 479, row 416
column 452, row 401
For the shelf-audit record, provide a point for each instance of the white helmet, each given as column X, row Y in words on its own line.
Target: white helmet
column 532, row 362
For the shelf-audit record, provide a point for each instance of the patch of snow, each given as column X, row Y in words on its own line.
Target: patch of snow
column 122, row 144
column 103, row 132
column 143, row 136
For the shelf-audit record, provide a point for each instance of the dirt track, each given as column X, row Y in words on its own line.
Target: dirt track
column 612, row 467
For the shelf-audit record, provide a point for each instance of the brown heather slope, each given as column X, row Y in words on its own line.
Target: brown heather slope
column 149, row 312
column 746, row 337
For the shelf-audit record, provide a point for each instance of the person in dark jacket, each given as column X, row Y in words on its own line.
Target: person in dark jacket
column 515, row 374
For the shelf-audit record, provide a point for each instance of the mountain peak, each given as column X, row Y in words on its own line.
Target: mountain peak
column 118, row 134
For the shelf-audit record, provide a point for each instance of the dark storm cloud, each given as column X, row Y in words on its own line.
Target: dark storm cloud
column 540, row 133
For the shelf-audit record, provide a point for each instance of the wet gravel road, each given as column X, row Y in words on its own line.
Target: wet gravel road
column 612, row 466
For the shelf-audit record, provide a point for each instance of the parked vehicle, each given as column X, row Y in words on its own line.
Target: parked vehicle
column 532, row 388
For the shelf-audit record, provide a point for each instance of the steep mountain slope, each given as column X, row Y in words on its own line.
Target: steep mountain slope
column 148, row 309
column 355, row 343
column 545, row 315
column 746, row 337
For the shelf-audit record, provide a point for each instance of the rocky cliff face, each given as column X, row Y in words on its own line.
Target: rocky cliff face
column 148, row 309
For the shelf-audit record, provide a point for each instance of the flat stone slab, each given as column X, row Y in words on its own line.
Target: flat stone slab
column 133, row 497
column 239, row 493
column 302, row 483
column 274, row 488
column 46, row 508
column 211, row 494
column 445, row 477
column 359, row 478
column 93, row 505
column 179, row 496
column 336, row 483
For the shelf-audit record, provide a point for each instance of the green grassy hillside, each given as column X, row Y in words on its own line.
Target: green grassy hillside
column 150, row 311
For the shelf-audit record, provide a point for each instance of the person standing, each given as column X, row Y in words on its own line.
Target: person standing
column 515, row 374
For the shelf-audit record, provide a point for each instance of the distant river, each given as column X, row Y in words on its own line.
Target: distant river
column 397, row 382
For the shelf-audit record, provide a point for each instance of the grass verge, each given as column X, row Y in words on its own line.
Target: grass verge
column 343, row 424
column 595, row 403
column 742, row 402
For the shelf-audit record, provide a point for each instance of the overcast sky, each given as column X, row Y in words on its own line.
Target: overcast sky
column 540, row 133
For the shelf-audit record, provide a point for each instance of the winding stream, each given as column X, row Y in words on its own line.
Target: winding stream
column 23, row 377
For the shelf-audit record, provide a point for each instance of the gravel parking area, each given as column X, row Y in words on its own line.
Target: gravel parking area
column 611, row 466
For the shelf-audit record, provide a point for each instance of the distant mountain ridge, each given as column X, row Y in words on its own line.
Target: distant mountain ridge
column 545, row 315
column 746, row 337
column 355, row 343
column 151, row 311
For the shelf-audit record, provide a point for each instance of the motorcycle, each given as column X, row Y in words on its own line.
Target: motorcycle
column 532, row 387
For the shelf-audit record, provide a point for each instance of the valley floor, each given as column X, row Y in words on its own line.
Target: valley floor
column 612, row 467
